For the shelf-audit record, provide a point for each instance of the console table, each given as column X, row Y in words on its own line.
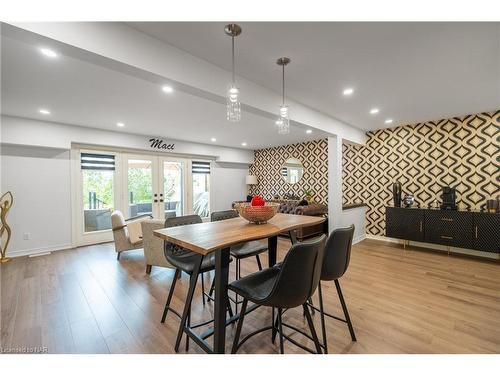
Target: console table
column 466, row 229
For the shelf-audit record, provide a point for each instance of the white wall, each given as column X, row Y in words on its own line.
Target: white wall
column 39, row 181
column 228, row 184
column 337, row 217
column 35, row 166
column 22, row 131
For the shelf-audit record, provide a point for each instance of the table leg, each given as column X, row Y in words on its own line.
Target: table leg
column 272, row 246
column 221, row 280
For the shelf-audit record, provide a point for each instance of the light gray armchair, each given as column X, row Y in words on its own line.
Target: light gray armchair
column 153, row 246
column 121, row 235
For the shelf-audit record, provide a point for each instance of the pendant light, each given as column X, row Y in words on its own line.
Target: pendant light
column 233, row 105
column 283, row 120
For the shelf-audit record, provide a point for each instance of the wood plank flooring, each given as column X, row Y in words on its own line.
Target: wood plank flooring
column 84, row 301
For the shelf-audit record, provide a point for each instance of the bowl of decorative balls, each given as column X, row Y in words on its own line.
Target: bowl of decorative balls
column 258, row 211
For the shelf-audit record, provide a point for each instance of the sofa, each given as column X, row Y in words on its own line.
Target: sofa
column 299, row 207
column 296, row 207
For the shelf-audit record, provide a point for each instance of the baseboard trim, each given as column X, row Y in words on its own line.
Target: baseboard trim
column 38, row 250
column 358, row 239
column 425, row 245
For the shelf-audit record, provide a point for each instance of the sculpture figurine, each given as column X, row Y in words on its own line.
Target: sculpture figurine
column 5, row 204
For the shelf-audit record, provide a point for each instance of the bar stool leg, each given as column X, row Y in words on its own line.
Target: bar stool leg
column 170, row 294
column 322, row 313
column 275, row 325
column 280, row 329
column 344, row 308
column 187, row 305
column 311, row 327
column 236, row 340
column 203, row 289
column 259, row 264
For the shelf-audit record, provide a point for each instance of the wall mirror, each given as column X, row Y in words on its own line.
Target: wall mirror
column 292, row 170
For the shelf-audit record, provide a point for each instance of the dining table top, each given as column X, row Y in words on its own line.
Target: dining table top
column 204, row 238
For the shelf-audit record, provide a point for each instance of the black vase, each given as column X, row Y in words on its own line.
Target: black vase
column 396, row 194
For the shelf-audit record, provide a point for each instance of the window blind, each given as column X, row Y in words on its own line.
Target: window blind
column 202, row 167
column 97, row 162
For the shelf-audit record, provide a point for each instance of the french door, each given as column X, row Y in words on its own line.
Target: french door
column 135, row 184
column 155, row 186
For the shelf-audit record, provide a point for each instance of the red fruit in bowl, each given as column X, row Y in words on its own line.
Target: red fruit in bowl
column 258, row 201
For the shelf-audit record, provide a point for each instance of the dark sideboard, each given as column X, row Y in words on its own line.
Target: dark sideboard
column 465, row 229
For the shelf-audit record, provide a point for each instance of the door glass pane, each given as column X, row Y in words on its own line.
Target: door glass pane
column 201, row 194
column 98, row 199
column 173, row 189
column 140, row 187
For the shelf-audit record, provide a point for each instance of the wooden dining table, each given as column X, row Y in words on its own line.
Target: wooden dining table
column 218, row 237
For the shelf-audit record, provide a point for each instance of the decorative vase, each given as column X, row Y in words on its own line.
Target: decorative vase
column 408, row 200
column 396, row 194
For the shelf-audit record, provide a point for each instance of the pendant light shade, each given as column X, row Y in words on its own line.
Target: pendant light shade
column 233, row 105
column 283, row 120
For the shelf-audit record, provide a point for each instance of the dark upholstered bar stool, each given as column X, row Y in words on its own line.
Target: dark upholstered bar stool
column 240, row 251
column 335, row 264
column 287, row 286
column 191, row 263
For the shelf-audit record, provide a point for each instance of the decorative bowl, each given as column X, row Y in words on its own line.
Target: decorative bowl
column 257, row 214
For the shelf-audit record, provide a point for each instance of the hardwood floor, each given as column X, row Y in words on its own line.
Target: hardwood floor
column 84, row 301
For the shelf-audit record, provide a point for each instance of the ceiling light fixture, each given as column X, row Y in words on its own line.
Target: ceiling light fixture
column 283, row 121
column 233, row 105
column 120, row 124
column 374, row 111
column 167, row 89
column 244, row 144
column 348, row 92
column 309, row 131
column 213, row 139
column 388, row 121
column 44, row 111
column 48, row 52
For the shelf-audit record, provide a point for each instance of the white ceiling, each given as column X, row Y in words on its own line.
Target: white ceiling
column 411, row 71
column 82, row 93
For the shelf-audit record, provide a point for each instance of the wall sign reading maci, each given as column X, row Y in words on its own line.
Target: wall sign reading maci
column 160, row 144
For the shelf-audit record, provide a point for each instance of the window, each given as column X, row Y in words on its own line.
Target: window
column 98, row 190
column 201, row 188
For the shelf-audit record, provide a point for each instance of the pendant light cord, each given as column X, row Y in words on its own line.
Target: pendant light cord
column 283, row 85
column 232, row 40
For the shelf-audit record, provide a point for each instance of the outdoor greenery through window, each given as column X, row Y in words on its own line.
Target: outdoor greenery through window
column 98, row 191
column 201, row 188
column 140, row 187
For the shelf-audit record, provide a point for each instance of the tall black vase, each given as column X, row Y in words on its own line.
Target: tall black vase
column 396, row 194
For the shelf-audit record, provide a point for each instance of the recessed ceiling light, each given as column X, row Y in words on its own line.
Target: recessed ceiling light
column 167, row 89
column 309, row 131
column 374, row 111
column 244, row 144
column 120, row 124
column 213, row 139
column 348, row 91
column 48, row 52
column 44, row 111
column 388, row 121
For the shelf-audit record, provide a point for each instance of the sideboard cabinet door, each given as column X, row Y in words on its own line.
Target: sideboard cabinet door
column 404, row 223
column 487, row 232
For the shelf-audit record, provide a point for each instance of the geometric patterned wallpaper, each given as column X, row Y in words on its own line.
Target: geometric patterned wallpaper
column 268, row 163
column 461, row 152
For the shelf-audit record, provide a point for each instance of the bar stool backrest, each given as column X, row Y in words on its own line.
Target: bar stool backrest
column 172, row 249
column 337, row 253
column 299, row 274
column 223, row 215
